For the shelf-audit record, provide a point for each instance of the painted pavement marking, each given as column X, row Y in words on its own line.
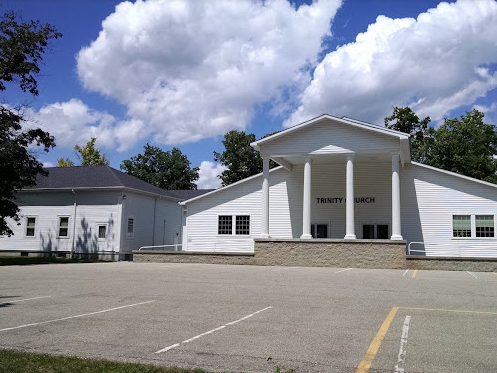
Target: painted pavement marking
column 211, row 331
column 446, row 310
column 399, row 367
column 24, row 300
column 343, row 270
column 367, row 360
column 472, row 274
column 405, row 273
column 283, row 269
column 495, row 273
column 74, row 317
column 414, row 273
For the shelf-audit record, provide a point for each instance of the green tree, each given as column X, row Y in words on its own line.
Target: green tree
column 90, row 156
column 466, row 146
column 405, row 120
column 64, row 162
column 22, row 46
column 164, row 169
column 240, row 159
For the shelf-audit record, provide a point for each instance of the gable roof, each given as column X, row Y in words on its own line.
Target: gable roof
column 102, row 177
column 344, row 120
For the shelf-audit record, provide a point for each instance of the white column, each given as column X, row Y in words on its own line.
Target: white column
column 306, row 216
column 265, row 198
column 349, row 203
column 396, row 231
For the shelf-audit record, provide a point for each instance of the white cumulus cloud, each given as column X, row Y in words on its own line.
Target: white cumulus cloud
column 434, row 64
column 208, row 175
column 188, row 70
column 73, row 122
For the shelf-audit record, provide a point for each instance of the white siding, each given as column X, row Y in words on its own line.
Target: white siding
column 93, row 208
column 429, row 200
column 167, row 221
column 285, row 205
column 331, row 137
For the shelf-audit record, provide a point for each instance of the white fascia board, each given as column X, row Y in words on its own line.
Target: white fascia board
column 344, row 120
column 228, row 186
column 161, row 196
column 382, row 129
column 486, row 183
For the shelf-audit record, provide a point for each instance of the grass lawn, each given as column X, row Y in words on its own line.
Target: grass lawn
column 27, row 260
column 24, row 362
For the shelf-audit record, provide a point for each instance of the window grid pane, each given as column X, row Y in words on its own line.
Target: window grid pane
column 243, row 224
column 30, row 227
column 130, row 226
column 102, row 230
column 484, row 226
column 461, row 226
column 63, row 226
column 225, row 224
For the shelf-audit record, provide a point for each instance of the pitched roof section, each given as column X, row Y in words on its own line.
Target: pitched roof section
column 102, row 177
column 345, row 120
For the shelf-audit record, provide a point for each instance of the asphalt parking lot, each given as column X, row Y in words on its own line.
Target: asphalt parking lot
column 253, row 319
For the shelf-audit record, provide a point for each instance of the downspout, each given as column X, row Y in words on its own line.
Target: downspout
column 153, row 227
column 73, row 224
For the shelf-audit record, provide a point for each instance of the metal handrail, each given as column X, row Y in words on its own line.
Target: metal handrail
column 455, row 251
column 159, row 246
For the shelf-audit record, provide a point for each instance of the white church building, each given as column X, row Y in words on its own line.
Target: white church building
column 345, row 180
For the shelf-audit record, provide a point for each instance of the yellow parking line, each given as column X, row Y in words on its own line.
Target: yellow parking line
column 414, row 273
column 444, row 310
column 367, row 360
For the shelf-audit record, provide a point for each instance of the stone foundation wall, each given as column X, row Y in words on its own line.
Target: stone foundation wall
column 324, row 253
column 331, row 253
column 452, row 264
column 304, row 253
column 192, row 257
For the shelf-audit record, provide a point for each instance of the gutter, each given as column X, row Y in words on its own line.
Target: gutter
column 73, row 224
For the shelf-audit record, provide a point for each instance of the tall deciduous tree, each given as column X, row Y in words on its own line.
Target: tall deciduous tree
column 22, row 46
column 466, row 146
column 405, row 120
column 64, row 162
column 164, row 169
column 240, row 159
column 91, row 156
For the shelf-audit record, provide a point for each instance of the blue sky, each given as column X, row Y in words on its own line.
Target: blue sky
column 183, row 73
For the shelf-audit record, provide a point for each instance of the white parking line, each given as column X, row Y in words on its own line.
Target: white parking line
column 24, row 300
column 211, row 331
column 283, row 269
column 399, row 367
column 405, row 273
column 74, row 317
column 472, row 274
column 343, row 270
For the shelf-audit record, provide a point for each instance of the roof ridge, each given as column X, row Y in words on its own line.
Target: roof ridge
column 113, row 172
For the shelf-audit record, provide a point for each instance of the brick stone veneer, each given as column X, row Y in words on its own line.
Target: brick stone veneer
column 331, row 253
column 324, row 253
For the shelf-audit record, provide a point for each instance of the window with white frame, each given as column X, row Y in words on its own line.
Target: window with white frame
column 484, row 225
column 130, row 231
column 242, row 225
column 63, row 230
column 30, row 226
column 102, row 231
column 461, row 225
column 225, row 224
column 233, row 225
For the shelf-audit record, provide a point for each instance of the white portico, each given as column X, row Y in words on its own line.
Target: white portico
column 327, row 140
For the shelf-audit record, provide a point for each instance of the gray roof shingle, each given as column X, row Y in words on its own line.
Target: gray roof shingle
column 89, row 177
